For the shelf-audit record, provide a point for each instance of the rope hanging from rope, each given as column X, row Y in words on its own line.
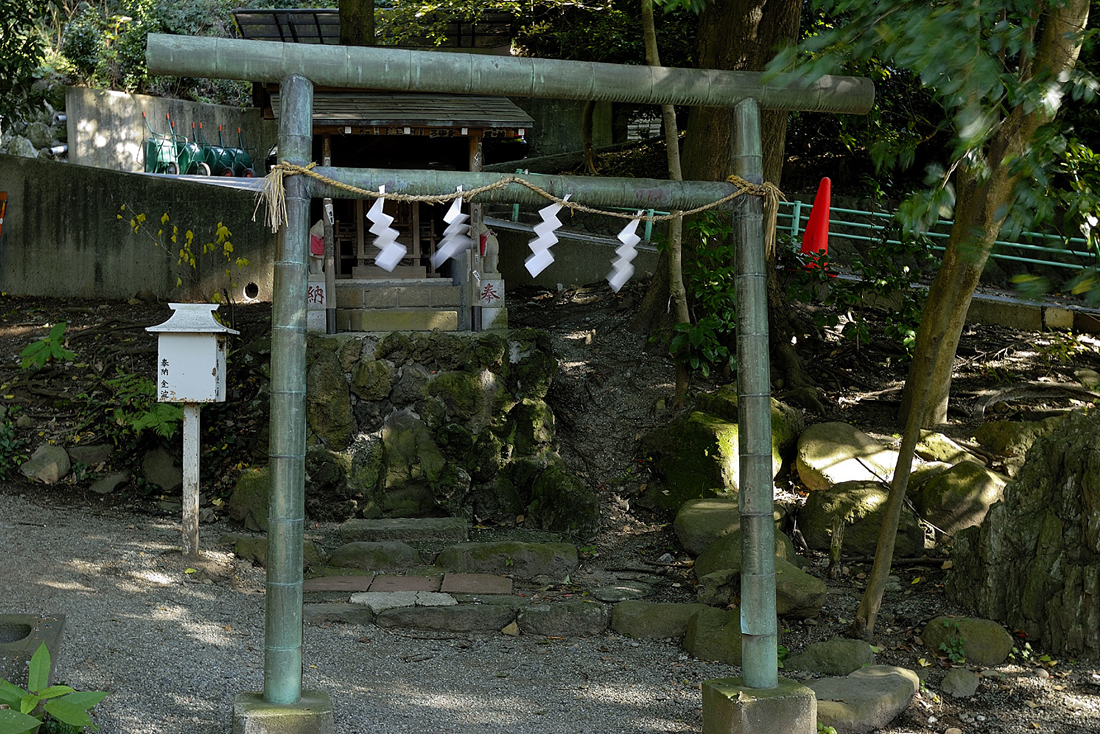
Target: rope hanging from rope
column 274, row 195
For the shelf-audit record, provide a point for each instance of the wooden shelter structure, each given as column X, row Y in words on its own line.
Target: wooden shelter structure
column 359, row 128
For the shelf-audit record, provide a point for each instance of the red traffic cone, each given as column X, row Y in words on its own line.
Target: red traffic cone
column 816, row 237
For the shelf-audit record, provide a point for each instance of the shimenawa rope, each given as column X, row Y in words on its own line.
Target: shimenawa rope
column 275, row 196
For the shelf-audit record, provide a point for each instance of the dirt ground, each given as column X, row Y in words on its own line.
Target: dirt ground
column 609, row 392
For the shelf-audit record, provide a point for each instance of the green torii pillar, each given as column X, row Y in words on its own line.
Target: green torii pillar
column 298, row 67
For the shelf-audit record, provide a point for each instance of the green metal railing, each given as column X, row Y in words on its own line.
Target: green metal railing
column 846, row 224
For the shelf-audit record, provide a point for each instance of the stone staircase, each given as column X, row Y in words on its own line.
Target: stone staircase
column 420, row 304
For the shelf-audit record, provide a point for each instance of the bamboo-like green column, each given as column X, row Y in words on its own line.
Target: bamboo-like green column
column 759, row 661
column 283, row 633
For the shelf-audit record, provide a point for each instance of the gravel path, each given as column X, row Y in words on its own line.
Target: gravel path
column 175, row 648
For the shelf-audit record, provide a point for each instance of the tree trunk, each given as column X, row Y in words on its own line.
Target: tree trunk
column 357, row 22
column 739, row 35
column 983, row 201
column 676, row 290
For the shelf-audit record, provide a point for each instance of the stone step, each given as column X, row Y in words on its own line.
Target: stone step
column 451, row 529
column 397, row 319
column 412, row 272
column 395, row 294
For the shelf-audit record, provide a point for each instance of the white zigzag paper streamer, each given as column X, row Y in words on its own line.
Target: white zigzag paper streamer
column 385, row 236
column 545, row 238
column 622, row 269
column 456, row 238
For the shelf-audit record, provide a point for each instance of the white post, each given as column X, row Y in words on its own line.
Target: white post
column 191, row 480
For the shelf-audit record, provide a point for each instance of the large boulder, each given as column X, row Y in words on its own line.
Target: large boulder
column 694, row 456
column 653, row 620
column 328, row 494
column 959, row 497
column 859, row 507
column 697, row 454
column 532, row 427
column 787, row 422
column 797, row 593
column 725, row 553
column 866, row 700
column 934, row 446
column 980, row 641
column 1033, row 562
column 373, row 379
column 831, row 453
column 836, row 656
column 701, row 522
column 48, row 464
column 472, row 399
column 1012, row 439
column 251, row 497
column 715, row 635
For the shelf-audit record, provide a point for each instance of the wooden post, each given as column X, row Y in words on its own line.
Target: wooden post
column 330, row 246
column 190, row 543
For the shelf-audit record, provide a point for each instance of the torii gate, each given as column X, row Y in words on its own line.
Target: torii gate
column 298, row 67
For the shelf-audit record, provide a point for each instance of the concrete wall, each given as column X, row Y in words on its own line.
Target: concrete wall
column 106, row 130
column 62, row 236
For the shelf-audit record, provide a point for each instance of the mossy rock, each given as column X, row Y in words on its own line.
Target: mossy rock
column 451, row 489
column 981, row 641
column 701, row 522
column 366, row 467
column 475, row 399
column 533, row 427
column 329, row 497
column 251, row 497
column 798, row 594
column 328, row 401
column 938, row 447
column 725, row 553
column 561, row 503
column 410, row 454
column 372, row 380
column 836, row 656
column 531, row 363
column 959, row 497
column 787, row 421
column 254, row 548
column 653, row 620
column 489, row 351
column 715, row 635
column 695, row 456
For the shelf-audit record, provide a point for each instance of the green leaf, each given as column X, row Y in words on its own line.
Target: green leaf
column 10, row 694
column 85, row 699
column 55, row 691
column 68, row 713
column 39, row 674
column 13, row 722
column 28, row 702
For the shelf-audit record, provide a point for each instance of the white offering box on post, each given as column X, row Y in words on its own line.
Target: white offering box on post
column 191, row 370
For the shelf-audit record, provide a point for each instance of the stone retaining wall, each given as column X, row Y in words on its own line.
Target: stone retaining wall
column 413, row 424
